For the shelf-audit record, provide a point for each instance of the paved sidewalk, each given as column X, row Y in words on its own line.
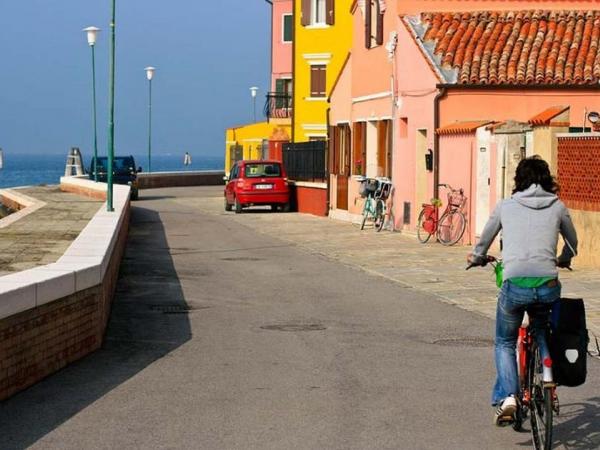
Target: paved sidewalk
column 431, row 267
column 42, row 237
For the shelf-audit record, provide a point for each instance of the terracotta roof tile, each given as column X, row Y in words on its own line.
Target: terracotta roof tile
column 546, row 116
column 517, row 47
column 462, row 127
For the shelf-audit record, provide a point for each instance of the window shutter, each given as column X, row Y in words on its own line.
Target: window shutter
column 330, row 12
column 280, row 86
column 288, row 23
column 322, row 81
column 379, row 37
column 279, row 92
column 318, row 81
column 314, row 81
column 368, row 24
column 382, row 135
column 347, row 150
column 305, row 14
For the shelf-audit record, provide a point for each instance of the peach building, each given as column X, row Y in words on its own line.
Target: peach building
column 362, row 106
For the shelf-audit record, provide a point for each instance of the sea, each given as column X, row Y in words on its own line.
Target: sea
column 29, row 169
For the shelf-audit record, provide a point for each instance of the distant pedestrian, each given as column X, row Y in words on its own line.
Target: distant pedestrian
column 187, row 159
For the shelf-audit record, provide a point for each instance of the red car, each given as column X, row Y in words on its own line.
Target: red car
column 253, row 183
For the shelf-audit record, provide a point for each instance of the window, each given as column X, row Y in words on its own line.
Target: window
column 317, row 12
column 318, row 80
column 287, row 28
column 374, row 11
column 262, row 170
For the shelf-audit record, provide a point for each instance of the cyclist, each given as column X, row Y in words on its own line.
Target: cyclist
column 531, row 221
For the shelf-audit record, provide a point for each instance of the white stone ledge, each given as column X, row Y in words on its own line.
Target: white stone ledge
column 30, row 205
column 309, row 184
column 83, row 265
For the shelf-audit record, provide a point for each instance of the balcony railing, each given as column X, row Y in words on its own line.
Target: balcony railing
column 278, row 105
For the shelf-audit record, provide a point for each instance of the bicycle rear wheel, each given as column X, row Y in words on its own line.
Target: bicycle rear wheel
column 540, row 404
column 422, row 234
column 451, row 227
column 379, row 215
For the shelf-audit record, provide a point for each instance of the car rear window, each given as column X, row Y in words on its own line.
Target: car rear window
column 262, row 170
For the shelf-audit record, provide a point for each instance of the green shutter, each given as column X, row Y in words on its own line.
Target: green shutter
column 280, row 91
column 287, row 28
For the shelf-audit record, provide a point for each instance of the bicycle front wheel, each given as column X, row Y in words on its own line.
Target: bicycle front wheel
column 379, row 215
column 422, row 234
column 366, row 213
column 451, row 227
column 540, row 404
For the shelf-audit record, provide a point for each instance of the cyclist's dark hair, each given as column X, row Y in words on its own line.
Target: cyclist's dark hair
column 534, row 170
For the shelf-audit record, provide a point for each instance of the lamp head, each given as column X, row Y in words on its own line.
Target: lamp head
column 92, row 34
column 150, row 72
column 253, row 91
column 593, row 117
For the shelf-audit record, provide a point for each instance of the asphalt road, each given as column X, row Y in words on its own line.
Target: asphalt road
column 280, row 349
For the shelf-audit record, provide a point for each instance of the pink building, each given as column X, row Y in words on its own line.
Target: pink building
column 281, row 52
column 476, row 90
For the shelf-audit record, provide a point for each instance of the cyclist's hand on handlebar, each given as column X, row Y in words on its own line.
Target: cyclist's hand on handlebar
column 564, row 264
column 478, row 260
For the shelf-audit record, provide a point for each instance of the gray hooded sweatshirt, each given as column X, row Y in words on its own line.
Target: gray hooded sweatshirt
column 530, row 221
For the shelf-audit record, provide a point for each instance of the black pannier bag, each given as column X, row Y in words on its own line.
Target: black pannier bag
column 569, row 342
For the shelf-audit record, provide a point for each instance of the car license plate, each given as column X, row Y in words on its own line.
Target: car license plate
column 263, row 186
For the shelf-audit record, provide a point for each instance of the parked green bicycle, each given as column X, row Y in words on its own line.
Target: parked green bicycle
column 375, row 192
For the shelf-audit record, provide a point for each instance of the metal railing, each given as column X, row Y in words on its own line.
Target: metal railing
column 278, row 105
column 305, row 161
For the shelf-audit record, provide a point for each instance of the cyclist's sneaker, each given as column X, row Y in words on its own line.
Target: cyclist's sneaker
column 506, row 411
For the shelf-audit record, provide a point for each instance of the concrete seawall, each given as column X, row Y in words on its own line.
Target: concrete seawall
column 53, row 315
column 176, row 179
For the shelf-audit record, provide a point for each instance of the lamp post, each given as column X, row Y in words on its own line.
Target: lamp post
column 111, row 113
column 253, row 92
column 150, row 74
column 92, row 33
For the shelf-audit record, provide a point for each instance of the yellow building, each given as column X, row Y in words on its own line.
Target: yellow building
column 255, row 141
column 322, row 39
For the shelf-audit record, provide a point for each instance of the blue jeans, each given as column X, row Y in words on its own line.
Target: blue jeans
column 513, row 301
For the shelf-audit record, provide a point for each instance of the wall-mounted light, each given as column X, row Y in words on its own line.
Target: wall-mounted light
column 429, row 160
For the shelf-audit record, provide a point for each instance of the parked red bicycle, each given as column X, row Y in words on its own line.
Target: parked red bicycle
column 450, row 227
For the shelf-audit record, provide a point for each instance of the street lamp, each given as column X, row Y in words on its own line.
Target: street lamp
column 111, row 113
column 150, row 74
column 253, row 92
column 92, row 33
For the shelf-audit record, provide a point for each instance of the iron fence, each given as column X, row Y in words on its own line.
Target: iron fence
column 306, row 161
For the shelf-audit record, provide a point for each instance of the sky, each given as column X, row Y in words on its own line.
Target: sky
column 207, row 54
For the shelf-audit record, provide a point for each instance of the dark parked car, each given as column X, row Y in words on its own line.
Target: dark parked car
column 124, row 172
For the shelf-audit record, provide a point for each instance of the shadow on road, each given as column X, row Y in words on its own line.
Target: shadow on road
column 148, row 321
column 577, row 427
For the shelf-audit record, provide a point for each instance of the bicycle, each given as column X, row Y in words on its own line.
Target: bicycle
column 451, row 226
column 537, row 389
column 375, row 191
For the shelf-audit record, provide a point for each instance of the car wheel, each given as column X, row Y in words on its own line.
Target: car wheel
column 274, row 207
column 238, row 206
column 228, row 206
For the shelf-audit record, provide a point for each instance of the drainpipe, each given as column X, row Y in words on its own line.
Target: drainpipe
column 327, row 171
column 436, row 141
column 294, row 71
